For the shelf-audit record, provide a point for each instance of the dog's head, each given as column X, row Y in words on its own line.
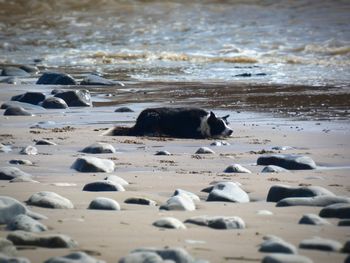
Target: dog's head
column 219, row 126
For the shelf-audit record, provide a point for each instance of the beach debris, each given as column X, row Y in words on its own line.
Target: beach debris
column 165, row 153
column 282, row 148
column 30, row 97
column 56, row 78
column 236, row 168
column 16, row 111
column 49, row 200
column 169, row 222
column 273, row 169
column 288, row 161
column 336, row 210
column 99, row 147
column 93, row 79
column 319, row 243
column 25, row 223
column 313, row 219
column 228, row 192
column 54, row 103
column 75, row 257
column 274, row 244
column 179, row 202
column 218, row 222
column 89, row 164
column 104, row 203
column 76, row 98
column 279, row 192
column 140, row 201
column 116, row 179
column 193, row 196
column 9, row 173
column 22, row 238
column 204, row 150
column 123, row 109
column 322, row 200
column 103, row 186
column 284, row 258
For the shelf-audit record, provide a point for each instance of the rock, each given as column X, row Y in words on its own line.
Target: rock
column 142, row 257
column 76, row 98
column 346, row 247
column 123, row 109
column 49, row 200
column 279, row 192
column 5, row 148
column 273, row 169
column 7, row 259
column 56, row 91
column 44, row 142
column 11, row 80
column 169, row 222
column 323, row 244
column 237, row 168
column 322, row 200
column 288, row 161
column 55, row 78
column 218, row 222
column 30, row 97
column 29, row 150
column 7, row 248
column 23, row 179
column 282, row 148
column 75, row 257
column 8, row 173
column 204, row 150
column 16, row 111
column 344, row 222
column 92, row 79
column 9, row 208
column 25, row 223
column 179, row 202
column 336, row 210
column 285, row 258
column 54, row 103
column 21, row 162
column 21, row 238
column 166, row 153
column 140, row 201
column 103, row 186
column 99, row 147
column 273, row 244
column 29, row 69
column 228, row 192
column 24, row 105
column 219, row 143
column 312, row 219
column 103, row 203
column 264, row 213
column 193, row 196
column 90, row 164
column 116, row 179
column 14, row 71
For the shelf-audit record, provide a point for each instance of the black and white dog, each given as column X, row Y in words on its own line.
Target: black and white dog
column 176, row 122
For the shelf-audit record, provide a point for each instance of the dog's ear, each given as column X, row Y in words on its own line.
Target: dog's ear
column 212, row 115
column 225, row 117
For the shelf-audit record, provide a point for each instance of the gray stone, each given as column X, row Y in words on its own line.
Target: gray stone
column 50, row 200
column 54, row 103
column 29, row 68
column 288, row 161
column 140, row 201
column 75, row 257
column 7, row 259
column 22, row 238
column 103, row 186
column 90, row 164
column 21, row 162
column 25, row 223
column 56, row 78
column 285, row 258
column 11, row 80
column 169, row 222
column 26, row 106
column 142, row 257
column 103, row 203
column 179, row 202
column 99, row 147
column 123, row 109
column 7, row 247
column 30, row 97
column 44, row 142
column 16, row 111
column 312, row 219
column 273, row 244
column 264, row 213
column 346, row 247
column 282, row 148
column 178, row 255
column 204, row 150
column 236, row 168
column 323, row 244
column 228, row 192
column 92, row 79
column 8, row 173
column 116, row 179
column 193, row 196
column 273, row 169
column 218, row 222
column 336, row 210
column 166, row 153
column 279, row 192
column 22, row 179
column 5, row 148
column 14, row 71
column 323, row 200
column 344, row 222
column 219, row 143
column 29, row 150
column 76, row 98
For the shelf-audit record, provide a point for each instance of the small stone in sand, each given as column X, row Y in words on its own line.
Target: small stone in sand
column 179, row 202
column 75, row 257
column 236, row 168
column 54, row 103
column 285, row 258
column 9, row 173
column 140, row 201
column 30, row 97
column 219, row 143
column 76, row 98
column 16, row 111
column 323, row 244
column 116, row 179
column 282, row 148
column 44, row 142
column 228, row 192
column 103, row 186
column 49, row 200
column 169, row 222
column 89, row 164
column 5, row 148
column 165, row 153
column 56, row 78
column 103, row 203
column 218, row 222
column 273, row 169
column 21, row 162
column 312, row 219
column 7, row 248
column 193, row 196
column 336, row 210
column 288, row 161
column 204, row 150
column 22, row 238
column 322, row 200
column 29, row 150
column 99, row 147
column 264, row 213
column 96, row 80
column 123, row 109
column 273, row 244
column 344, row 222
column 25, row 223
column 12, row 259
column 346, row 247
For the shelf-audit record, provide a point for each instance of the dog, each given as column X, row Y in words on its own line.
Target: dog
column 183, row 122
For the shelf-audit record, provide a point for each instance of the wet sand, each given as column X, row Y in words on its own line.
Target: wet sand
column 110, row 235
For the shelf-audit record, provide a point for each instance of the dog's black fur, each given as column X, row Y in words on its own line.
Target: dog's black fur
column 176, row 122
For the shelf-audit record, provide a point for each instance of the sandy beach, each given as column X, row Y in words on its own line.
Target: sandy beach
column 111, row 235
